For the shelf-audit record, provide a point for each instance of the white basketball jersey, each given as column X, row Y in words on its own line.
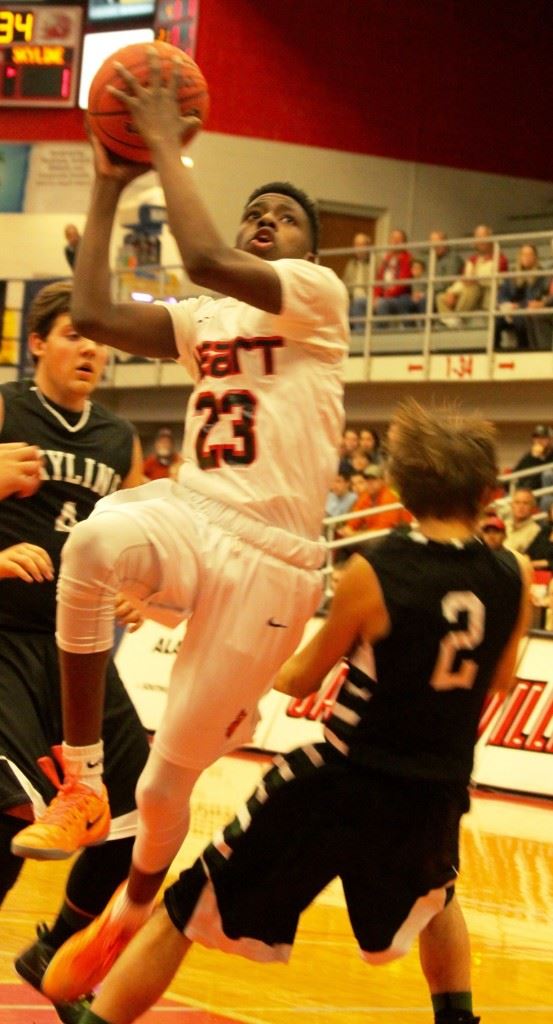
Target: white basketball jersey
column 265, row 418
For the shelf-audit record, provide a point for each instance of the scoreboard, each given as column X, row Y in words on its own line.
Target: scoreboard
column 40, row 54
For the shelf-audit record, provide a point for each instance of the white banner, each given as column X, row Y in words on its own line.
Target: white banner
column 515, row 746
column 59, row 178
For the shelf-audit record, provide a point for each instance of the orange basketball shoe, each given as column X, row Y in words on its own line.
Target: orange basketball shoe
column 76, row 817
column 85, row 959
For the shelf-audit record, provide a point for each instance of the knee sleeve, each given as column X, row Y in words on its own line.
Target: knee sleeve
column 163, row 800
column 10, row 866
column 96, row 873
column 102, row 556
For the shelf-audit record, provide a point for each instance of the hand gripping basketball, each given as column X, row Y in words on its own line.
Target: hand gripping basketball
column 145, row 92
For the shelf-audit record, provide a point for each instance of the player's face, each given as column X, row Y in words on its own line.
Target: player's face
column 275, row 227
column 69, row 366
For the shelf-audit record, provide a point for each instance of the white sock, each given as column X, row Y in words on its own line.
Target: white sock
column 85, row 764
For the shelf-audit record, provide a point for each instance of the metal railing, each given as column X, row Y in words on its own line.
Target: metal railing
column 500, row 504
column 427, row 331
column 422, row 333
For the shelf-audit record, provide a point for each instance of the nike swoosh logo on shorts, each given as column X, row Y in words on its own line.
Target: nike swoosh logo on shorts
column 278, row 625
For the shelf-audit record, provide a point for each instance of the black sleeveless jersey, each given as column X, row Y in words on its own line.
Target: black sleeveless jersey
column 84, row 458
column 411, row 703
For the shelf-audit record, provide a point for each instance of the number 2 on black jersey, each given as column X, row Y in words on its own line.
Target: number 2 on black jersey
column 453, row 605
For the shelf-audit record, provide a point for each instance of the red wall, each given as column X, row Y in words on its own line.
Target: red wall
column 463, row 84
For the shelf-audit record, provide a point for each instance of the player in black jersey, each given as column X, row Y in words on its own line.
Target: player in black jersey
column 428, row 621
column 85, row 452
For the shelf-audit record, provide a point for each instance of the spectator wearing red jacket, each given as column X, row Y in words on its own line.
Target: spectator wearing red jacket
column 165, row 459
column 393, row 296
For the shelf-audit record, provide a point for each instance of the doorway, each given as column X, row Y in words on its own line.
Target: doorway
column 337, row 230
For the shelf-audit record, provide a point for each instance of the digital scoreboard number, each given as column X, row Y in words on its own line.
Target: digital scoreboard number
column 40, row 53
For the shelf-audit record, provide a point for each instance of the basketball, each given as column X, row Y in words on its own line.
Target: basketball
column 110, row 120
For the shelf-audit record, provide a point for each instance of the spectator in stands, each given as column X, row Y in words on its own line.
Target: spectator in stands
column 540, row 551
column 360, row 460
column 419, row 289
column 369, row 442
column 349, row 444
column 523, row 292
column 522, row 528
column 473, row 289
column 449, row 263
column 340, row 498
column 72, row 239
column 165, row 459
column 356, row 280
column 391, row 297
column 493, row 531
column 372, row 492
column 539, row 454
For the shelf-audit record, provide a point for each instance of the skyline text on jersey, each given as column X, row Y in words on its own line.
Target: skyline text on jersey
column 95, row 476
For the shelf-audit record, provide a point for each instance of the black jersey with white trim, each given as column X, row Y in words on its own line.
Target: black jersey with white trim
column 85, row 456
column 411, row 702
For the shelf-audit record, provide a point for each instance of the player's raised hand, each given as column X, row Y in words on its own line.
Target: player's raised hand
column 26, row 562
column 20, row 465
column 107, row 165
column 154, row 107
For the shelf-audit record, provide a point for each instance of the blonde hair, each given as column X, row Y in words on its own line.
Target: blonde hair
column 442, row 463
column 527, row 282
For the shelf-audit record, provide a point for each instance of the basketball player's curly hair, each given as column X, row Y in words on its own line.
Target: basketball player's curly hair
column 443, row 463
column 50, row 302
column 285, row 188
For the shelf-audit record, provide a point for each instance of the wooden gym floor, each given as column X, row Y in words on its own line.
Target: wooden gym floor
column 506, row 890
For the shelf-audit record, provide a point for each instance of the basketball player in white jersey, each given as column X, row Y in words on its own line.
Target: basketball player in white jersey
column 235, row 545
column 427, row 622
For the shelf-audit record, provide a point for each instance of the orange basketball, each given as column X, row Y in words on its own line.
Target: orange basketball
column 112, row 123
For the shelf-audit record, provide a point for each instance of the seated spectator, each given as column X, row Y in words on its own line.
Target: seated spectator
column 521, row 528
column 71, row 247
column 419, row 289
column 517, row 293
column 349, row 444
column 372, row 492
column 369, row 442
column 539, row 454
column 392, row 298
column 493, row 530
column 472, row 290
column 360, row 460
column 356, row 280
column 448, row 263
column 540, row 551
column 340, row 498
column 165, row 459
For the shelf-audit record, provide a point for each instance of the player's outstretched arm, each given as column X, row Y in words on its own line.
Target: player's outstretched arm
column 136, row 327
column 357, row 613
column 208, row 260
column 26, row 562
column 19, row 469
column 135, row 476
column 505, row 669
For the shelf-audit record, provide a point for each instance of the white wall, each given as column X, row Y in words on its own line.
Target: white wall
column 414, row 196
